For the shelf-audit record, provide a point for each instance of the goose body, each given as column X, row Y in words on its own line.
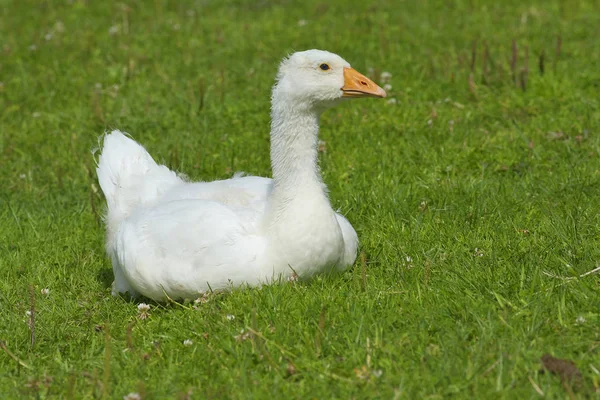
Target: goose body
column 170, row 237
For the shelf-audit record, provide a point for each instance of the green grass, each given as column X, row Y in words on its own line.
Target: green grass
column 490, row 188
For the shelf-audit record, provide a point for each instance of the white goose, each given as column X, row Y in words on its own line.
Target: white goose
column 169, row 237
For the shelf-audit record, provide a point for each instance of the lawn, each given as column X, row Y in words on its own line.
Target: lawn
column 473, row 187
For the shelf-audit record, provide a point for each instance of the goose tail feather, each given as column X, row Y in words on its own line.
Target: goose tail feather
column 129, row 177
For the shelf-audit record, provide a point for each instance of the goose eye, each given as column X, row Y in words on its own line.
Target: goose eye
column 324, row 67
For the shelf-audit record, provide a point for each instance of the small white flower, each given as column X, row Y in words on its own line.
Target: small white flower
column 59, row 27
column 580, row 320
column 187, row 342
column 22, row 176
column 176, row 27
column 202, row 299
column 243, row 336
column 33, row 47
column 132, row 396
column 230, row 317
column 293, row 278
column 478, row 253
column 385, row 76
column 429, row 122
column 451, row 122
column 36, row 114
column 377, row 373
column 391, row 101
column 28, row 313
column 302, row 22
column 143, row 310
column 113, row 30
column 114, row 91
column 45, row 291
column 387, row 87
column 48, row 36
column 447, row 99
column 409, row 259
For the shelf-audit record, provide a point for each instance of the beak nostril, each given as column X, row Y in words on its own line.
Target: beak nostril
column 359, row 85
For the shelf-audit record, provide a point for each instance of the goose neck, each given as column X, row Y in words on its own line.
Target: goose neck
column 294, row 147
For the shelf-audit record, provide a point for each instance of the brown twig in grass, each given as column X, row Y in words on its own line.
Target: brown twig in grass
column 129, row 335
column 484, row 62
column 170, row 300
column 14, row 357
column 491, row 367
column 535, row 386
column 472, row 86
column 222, row 73
column 473, row 55
column 525, row 70
column 201, row 91
column 513, row 61
column 557, row 51
column 541, row 63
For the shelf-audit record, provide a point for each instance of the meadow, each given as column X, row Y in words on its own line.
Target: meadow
column 473, row 187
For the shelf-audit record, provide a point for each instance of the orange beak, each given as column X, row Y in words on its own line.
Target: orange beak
column 358, row 85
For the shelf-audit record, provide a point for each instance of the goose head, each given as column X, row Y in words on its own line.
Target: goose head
column 317, row 79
